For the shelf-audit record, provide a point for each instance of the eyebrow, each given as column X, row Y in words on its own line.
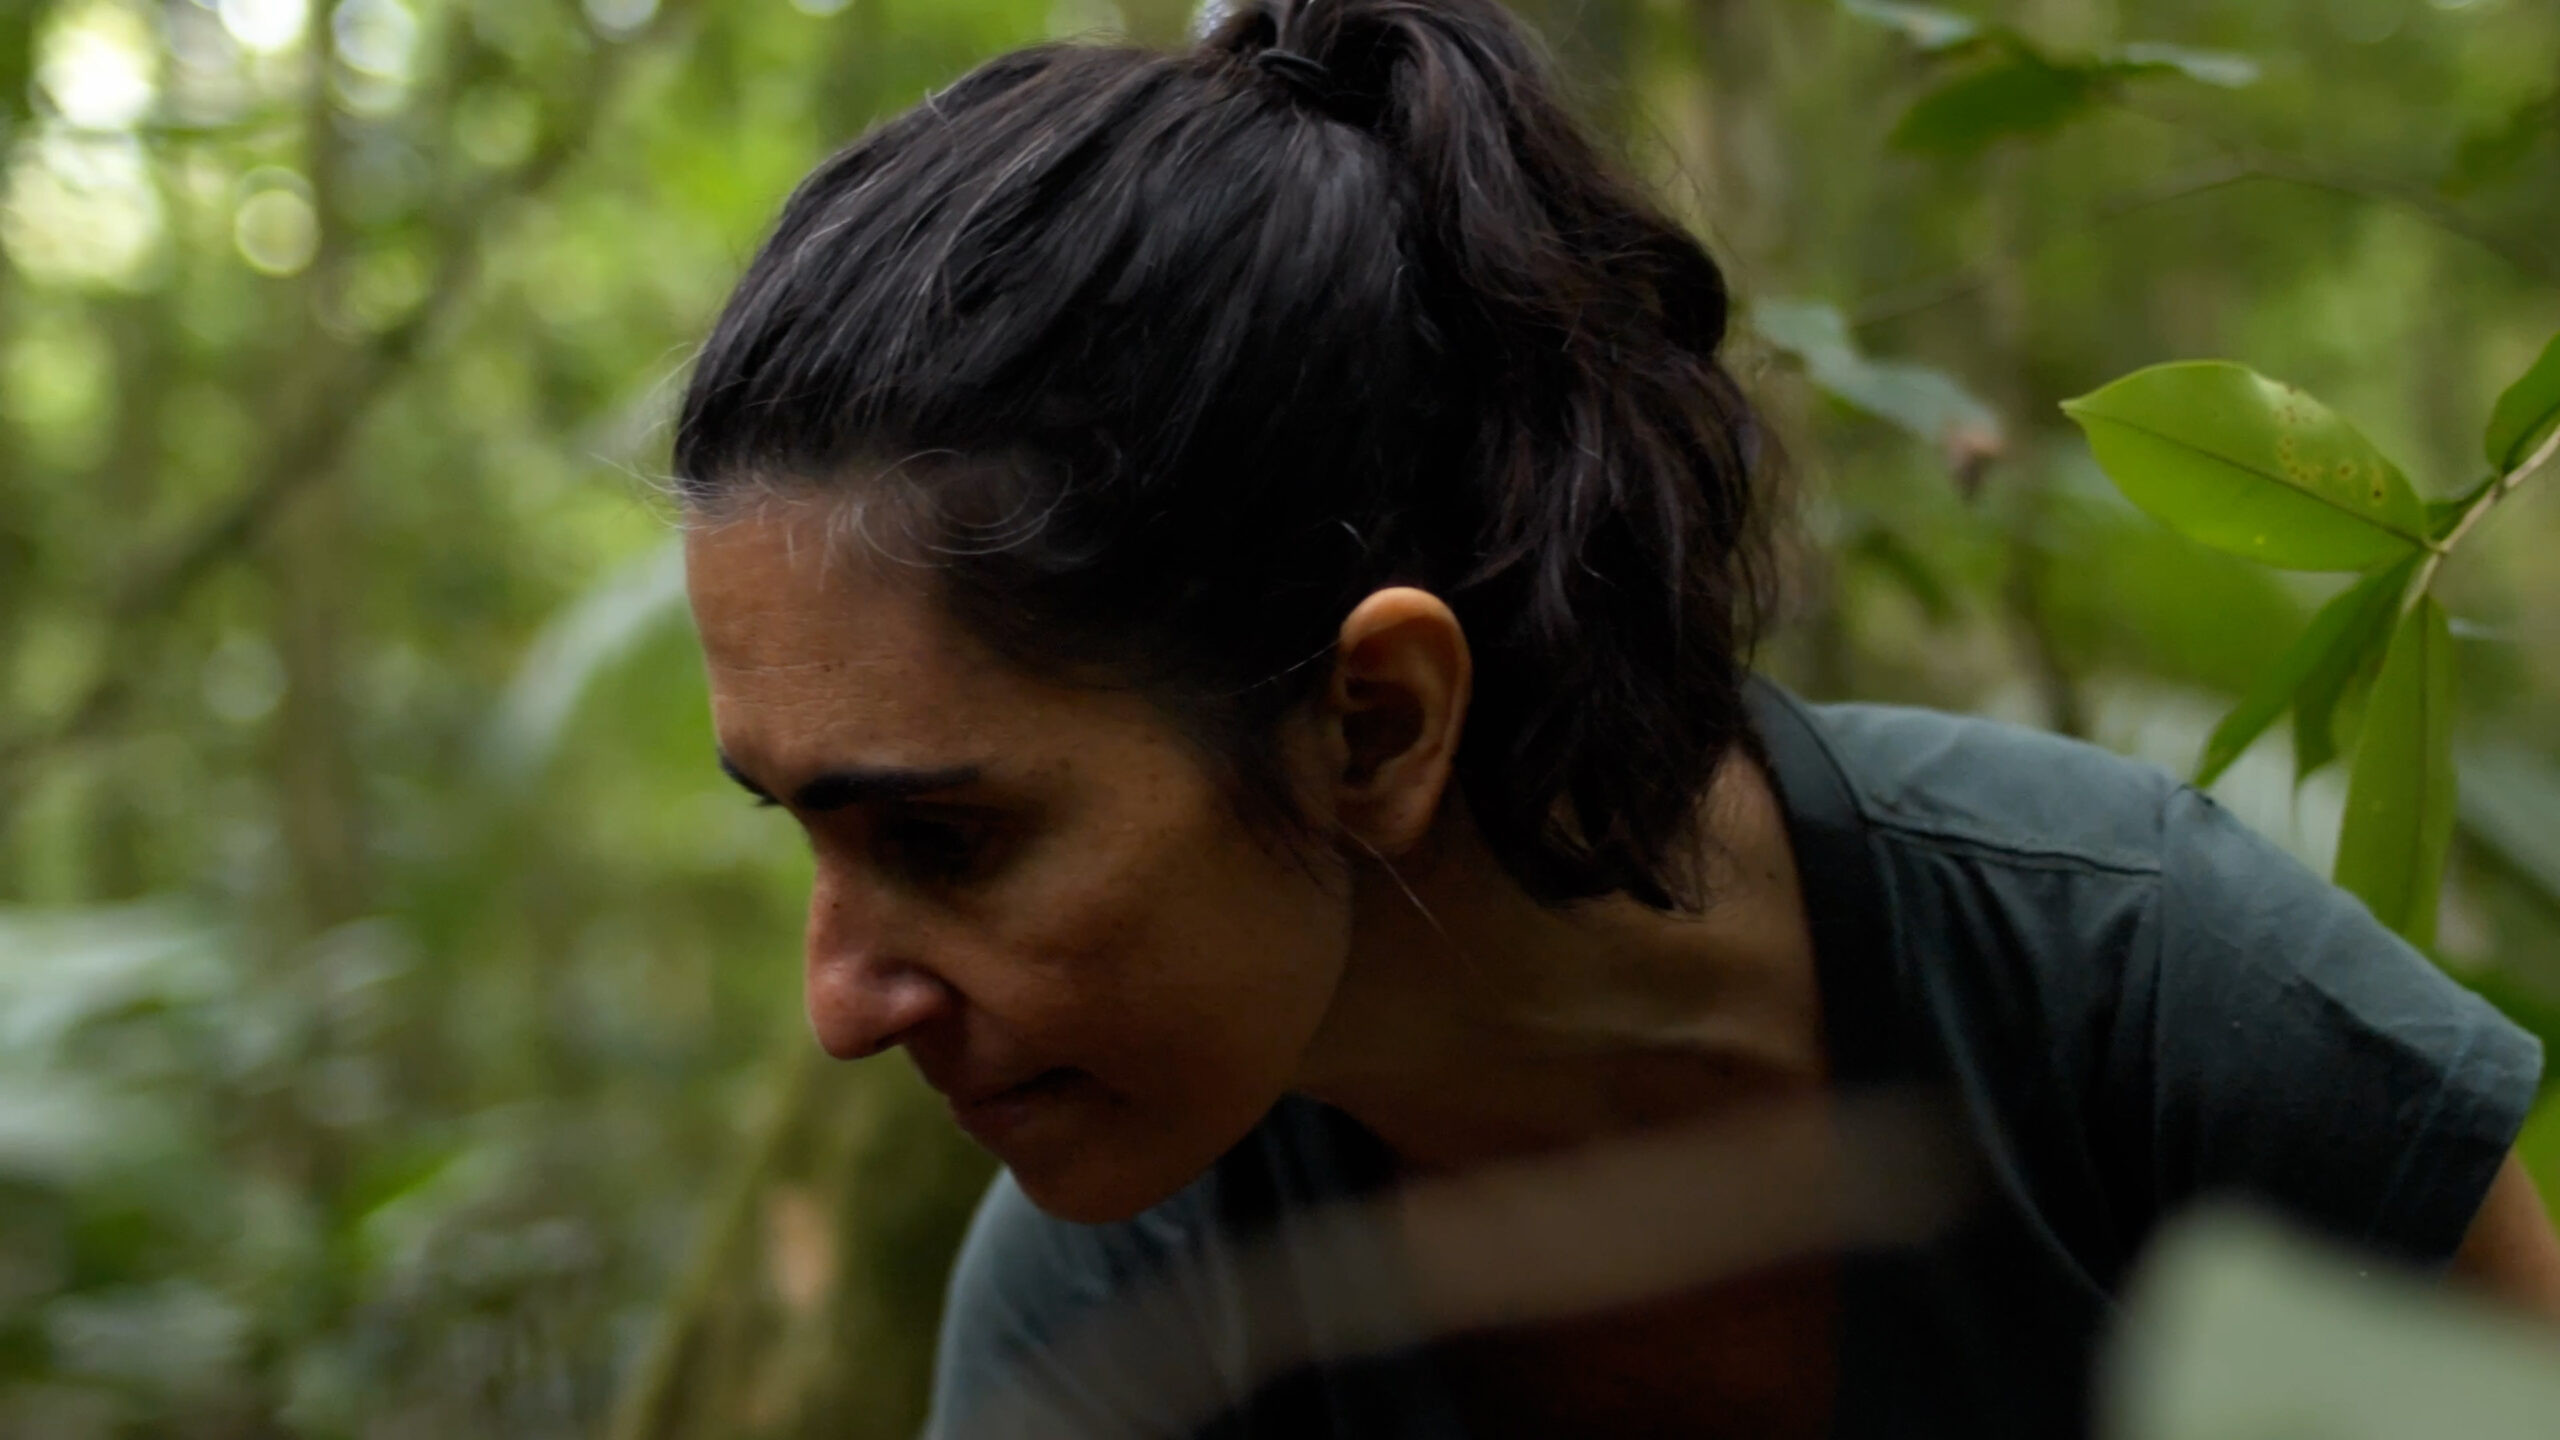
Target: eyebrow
column 854, row 785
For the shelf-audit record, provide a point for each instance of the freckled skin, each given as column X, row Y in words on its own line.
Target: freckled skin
column 1124, row 923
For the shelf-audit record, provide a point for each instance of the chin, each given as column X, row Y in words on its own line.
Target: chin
column 1094, row 1178
column 1090, row 1200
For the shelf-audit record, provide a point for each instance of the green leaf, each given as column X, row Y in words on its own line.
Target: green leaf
column 2357, row 656
column 2335, row 642
column 2526, row 414
column 2207, row 67
column 1928, row 403
column 2316, row 703
column 2251, row 466
column 1925, row 26
column 2402, row 796
column 2020, row 94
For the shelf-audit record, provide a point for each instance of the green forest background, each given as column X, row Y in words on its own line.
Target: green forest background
column 399, row 1015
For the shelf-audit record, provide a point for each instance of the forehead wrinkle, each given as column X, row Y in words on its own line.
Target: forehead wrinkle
column 844, row 662
column 792, row 719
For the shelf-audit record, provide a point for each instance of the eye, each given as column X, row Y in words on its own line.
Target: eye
column 936, row 847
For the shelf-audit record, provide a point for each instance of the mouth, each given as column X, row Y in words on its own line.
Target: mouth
column 991, row 1117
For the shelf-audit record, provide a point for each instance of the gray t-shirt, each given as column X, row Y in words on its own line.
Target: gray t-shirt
column 2134, row 1001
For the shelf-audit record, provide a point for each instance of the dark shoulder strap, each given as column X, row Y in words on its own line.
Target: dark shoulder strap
column 1845, row 896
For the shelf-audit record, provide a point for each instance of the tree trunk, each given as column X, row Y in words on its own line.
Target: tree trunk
column 807, row 1313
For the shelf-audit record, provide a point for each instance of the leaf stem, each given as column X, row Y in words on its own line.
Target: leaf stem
column 2487, row 500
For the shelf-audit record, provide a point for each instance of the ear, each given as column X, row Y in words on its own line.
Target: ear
column 1392, row 716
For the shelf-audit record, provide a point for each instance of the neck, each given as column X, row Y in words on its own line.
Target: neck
column 1473, row 1024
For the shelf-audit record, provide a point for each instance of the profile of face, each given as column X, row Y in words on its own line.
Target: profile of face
column 1039, row 891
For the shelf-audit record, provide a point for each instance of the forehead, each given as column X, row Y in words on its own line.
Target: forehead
column 777, row 589
column 810, row 639
column 821, row 653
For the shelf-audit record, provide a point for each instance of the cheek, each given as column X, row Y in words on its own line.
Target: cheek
column 1199, row 962
column 1192, row 993
column 1163, row 949
column 1249, row 954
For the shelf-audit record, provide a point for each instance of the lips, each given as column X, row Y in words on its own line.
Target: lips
column 989, row 1115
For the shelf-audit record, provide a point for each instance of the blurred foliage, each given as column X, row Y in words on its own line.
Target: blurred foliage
column 2240, row 1329
column 398, row 1014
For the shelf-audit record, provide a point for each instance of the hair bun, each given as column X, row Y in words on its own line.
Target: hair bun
column 1307, row 78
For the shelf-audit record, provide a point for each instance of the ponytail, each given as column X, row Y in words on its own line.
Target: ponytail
column 1343, row 298
column 1616, row 572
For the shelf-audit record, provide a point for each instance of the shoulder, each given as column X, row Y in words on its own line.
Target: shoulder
column 2128, row 977
column 2002, row 791
column 2005, row 848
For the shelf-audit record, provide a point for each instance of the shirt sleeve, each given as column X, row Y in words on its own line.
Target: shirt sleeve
column 2304, row 1056
column 1058, row 1331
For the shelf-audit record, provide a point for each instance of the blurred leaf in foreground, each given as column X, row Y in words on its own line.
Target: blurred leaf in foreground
column 2236, row 1329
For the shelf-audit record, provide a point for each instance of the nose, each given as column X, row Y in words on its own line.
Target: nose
column 863, row 996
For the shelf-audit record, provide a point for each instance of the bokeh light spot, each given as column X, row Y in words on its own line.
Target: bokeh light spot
column 621, row 17
column 97, row 68
column 242, row 679
column 276, row 229
column 81, row 210
column 377, row 37
column 265, row 26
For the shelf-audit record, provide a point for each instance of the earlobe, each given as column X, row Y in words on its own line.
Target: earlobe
column 1402, row 678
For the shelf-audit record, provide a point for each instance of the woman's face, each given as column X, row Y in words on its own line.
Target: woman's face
column 1039, row 892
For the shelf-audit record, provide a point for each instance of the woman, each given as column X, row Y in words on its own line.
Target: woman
column 1242, row 563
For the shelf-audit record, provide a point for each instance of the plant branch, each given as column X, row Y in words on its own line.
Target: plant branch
column 1971, row 279
column 651, row 1400
column 2233, row 169
column 2532, row 260
column 2487, row 500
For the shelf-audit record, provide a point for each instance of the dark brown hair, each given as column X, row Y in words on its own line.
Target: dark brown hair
column 1162, row 362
